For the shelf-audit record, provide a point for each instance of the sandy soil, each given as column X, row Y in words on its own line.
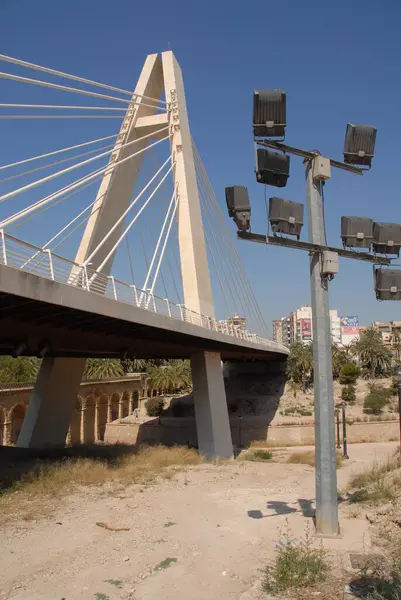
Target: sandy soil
column 209, row 519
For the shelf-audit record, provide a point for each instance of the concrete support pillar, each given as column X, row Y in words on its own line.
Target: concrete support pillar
column 212, row 422
column 109, row 410
column 51, row 404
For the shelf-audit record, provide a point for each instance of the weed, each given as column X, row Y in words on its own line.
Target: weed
column 164, row 564
column 258, row 456
column 297, row 565
column 116, row 582
column 169, row 524
column 100, row 596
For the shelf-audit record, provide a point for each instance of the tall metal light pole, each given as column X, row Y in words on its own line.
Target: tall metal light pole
column 286, row 219
column 326, row 474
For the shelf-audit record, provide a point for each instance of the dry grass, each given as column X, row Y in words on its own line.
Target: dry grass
column 374, row 473
column 377, row 484
column 273, row 444
column 308, row 458
column 44, row 481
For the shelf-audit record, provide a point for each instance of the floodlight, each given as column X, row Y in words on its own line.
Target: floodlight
column 387, row 238
column 272, row 168
column 387, row 284
column 238, row 206
column 356, row 232
column 286, row 216
column 359, row 145
column 269, row 113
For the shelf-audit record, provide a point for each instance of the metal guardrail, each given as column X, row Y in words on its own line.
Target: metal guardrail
column 43, row 262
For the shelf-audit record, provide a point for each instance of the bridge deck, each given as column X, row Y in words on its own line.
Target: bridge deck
column 35, row 310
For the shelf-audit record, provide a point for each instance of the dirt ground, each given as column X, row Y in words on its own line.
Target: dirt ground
column 218, row 524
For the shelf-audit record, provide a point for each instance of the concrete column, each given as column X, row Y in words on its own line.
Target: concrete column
column 212, row 422
column 51, row 404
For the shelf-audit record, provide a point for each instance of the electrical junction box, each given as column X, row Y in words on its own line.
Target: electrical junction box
column 388, row 284
column 356, row 232
column 330, row 264
column 321, row 169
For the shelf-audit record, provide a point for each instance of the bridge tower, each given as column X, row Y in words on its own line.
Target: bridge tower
column 50, row 408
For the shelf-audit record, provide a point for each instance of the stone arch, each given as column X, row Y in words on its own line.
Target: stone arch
column 17, row 414
column 101, row 416
column 114, row 403
column 2, row 426
column 124, row 404
column 88, row 419
column 134, row 401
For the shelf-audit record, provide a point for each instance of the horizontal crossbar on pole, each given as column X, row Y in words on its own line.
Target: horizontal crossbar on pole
column 309, row 247
column 309, row 155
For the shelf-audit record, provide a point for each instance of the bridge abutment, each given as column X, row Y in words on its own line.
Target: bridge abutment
column 51, row 404
column 212, row 422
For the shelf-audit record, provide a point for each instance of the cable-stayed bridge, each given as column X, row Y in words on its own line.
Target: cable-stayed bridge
column 115, row 244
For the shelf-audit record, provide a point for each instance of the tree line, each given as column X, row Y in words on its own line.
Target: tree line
column 167, row 375
column 366, row 357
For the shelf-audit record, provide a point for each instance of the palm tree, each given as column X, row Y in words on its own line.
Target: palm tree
column 300, row 364
column 396, row 342
column 374, row 357
column 339, row 358
column 134, row 365
column 17, row 370
column 172, row 377
column 103, row 368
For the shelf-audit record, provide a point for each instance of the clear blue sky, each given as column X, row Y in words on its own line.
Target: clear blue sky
column 338, row 62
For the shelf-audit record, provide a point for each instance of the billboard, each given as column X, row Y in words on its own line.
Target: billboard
column 349, row 321
column 350, row 330
column 306, row 329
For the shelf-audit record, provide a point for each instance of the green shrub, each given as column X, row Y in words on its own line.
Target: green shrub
column 348, row 394
column 349, row 373
column 297, row 566
column 376, row 399
column 155, row 406
column 258, row 455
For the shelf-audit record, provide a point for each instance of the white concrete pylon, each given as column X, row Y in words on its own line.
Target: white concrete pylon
column 113, row 199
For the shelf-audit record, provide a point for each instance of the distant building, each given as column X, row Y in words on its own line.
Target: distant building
column 237, row 322
column 390, row 331
column 297, row 327
column 233, row 322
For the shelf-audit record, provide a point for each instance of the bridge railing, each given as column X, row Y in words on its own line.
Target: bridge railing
column 43, row 262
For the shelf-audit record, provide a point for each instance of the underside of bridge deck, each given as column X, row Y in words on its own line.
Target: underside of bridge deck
column 32, row 324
